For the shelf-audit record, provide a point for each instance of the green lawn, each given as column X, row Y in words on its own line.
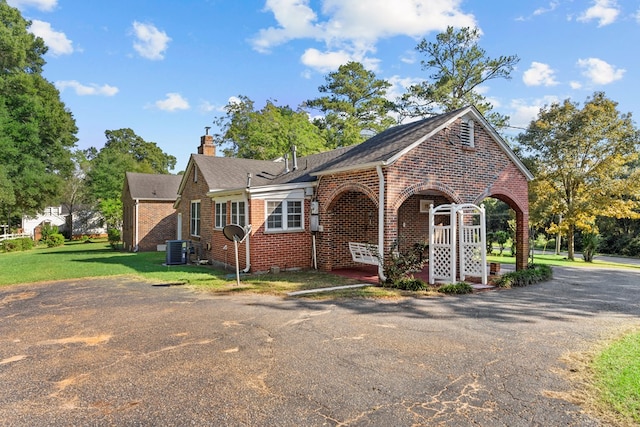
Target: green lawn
column 77, row 260
column 561, row 260
column 617, row 378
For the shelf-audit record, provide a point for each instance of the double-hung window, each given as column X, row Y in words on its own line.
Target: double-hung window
column 284, row 215
column 195, row 217
column 238, row 214
column 221, row 214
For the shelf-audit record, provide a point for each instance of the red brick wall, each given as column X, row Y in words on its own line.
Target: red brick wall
column 461, row 174
column 157, row 222
column 413, row 225
column 290, row 250
column 197, row 191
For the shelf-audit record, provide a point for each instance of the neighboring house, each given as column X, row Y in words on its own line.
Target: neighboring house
column 304, row 213
column 87, row 222
column 52, row 215
column 149, row 218
column 84, row 221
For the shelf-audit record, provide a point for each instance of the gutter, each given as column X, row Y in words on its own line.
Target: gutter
column 247, row 257
column 381, row 223
column 135, row 247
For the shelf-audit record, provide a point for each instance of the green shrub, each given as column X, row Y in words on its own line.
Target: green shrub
column 47, row 230
column 456, row 288
column 114, row 237
column 399, row 266
column 533, row 274
column 54, row 240
column 15, row 245
column 590, row 242
column 409, row 284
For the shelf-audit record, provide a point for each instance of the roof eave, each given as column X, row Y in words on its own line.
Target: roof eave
column 351, row 168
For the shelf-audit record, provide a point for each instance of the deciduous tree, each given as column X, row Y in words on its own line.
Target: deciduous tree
column 123, row 152
column 38, row 132
column 583, row 158
column 265, row 134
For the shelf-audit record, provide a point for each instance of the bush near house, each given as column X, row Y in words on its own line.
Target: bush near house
column 533, row 274
column 51, row 236
column 456, row 288
column 114, row 238
column 15, row 245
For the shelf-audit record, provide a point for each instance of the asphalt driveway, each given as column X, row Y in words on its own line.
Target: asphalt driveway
column 117, row 352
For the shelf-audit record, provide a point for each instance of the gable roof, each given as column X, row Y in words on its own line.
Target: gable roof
column 388, row 146
column 159, row 187
column 383, row 149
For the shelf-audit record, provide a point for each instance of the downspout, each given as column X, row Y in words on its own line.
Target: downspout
column 247, row 255
column 381, row 223
column 135, row 247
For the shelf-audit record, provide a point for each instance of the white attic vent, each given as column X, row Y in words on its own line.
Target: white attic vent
column 466, row 132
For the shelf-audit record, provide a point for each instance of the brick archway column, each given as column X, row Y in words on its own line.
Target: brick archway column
column 522, row 240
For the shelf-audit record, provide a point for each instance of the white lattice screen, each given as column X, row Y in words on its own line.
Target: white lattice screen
column 466, row 233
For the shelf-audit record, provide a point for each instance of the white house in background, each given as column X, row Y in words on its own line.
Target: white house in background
column 51, row 215
column 84, row 222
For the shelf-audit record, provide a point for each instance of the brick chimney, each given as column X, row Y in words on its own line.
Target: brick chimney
column 207, row 147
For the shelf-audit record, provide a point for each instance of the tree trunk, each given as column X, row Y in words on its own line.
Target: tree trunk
column 570, row 243
column 559, row 236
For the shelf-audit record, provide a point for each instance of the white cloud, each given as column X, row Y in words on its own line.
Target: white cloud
column 151, row 42
column 599, row 71
column 399, row 86
column 351, row 28
column 539, row 74
column 409, row 57
column 207, row 107
column 542, row 10
column 575, row 85
column 82, row 90
column 56, row 41
column 324, row 61
column 604, row 11
column 522, row 112
column 44, row 5
column 173, row 102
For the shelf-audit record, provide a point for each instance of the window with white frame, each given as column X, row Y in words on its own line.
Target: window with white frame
column 283, row 215
column 195, row 217
column 238, row 214
column 221, row 214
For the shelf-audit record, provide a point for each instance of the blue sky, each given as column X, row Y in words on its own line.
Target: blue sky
column 165, row 69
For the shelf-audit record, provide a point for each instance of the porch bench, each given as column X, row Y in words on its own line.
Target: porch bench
column 364, row 253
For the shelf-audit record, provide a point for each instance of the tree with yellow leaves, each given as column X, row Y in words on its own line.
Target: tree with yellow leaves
column 583, row 162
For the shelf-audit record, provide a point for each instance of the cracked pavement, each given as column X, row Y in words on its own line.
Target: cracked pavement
column 121, row 352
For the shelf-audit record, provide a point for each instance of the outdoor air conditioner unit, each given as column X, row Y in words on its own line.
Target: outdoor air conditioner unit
column 176, row 252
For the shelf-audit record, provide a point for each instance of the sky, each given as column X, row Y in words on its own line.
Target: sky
column 166, row 69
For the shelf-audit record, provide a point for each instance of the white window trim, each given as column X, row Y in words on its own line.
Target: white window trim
column 285, row 221
column 244, row 212
column 216, row 225
column 191, row 218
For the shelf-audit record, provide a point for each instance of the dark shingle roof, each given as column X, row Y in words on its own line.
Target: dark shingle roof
column 231, row 173
column 145, row 186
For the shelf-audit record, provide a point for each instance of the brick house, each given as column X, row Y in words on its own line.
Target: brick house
column 304, row 211
column 149, row 218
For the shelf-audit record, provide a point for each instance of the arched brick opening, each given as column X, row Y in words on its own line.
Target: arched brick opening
column 411, row 212
column 350, row 216
column 522, row 223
